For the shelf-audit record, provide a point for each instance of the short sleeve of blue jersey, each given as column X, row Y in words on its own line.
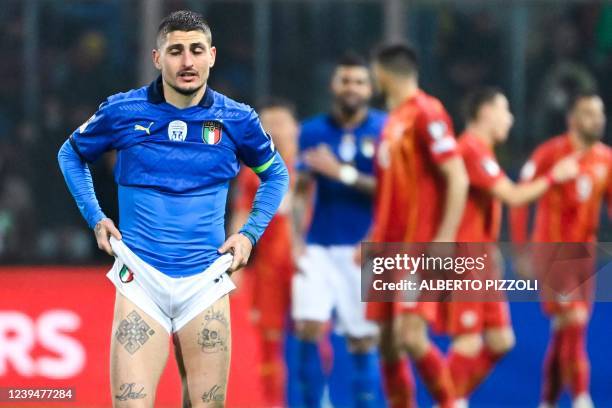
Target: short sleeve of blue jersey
column 255, row 147
column 95, row 136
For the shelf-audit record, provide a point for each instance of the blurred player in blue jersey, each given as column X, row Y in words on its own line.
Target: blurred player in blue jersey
column 336, row 152
column 178, row 145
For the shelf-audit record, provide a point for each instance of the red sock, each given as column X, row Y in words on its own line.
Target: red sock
column 575, row 366
column 437, row 378
column 479, row 368
column 399, row 384
column 551, row 375
column 460, row 366
column 273, row 372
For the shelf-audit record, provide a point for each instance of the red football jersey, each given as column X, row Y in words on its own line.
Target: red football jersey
column 416, row 139
column 567, row 212
column 481, row 220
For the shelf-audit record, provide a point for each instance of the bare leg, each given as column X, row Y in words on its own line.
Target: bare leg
column 139, row 350
column 203, row 349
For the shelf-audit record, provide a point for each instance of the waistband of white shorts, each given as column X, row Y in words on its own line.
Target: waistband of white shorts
column 135, row 263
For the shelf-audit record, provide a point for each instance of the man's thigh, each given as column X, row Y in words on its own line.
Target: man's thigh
column 203, row 349
column 139, row 350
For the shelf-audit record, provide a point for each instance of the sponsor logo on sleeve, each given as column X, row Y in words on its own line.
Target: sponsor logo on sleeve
column 490, row 166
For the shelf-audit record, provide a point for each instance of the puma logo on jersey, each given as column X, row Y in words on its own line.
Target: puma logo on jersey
column 146, row 129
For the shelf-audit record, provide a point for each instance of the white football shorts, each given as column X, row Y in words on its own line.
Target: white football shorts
column 329, row 279
column 172, row 302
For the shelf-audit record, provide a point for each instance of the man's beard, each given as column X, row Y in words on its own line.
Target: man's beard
column 350, row 109
column 186, row 92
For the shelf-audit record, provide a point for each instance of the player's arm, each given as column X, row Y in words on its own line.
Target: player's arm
column 536, row 167
column 322, row 160
column 514, row 194
column 434, row 128
column 299, row 209
column 457, row 183
column 256, row 150
column 85, row 145
column 245, row 190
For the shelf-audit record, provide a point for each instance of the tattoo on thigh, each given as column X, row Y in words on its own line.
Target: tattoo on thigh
column 133, row 332
column 215, row 394
column 213, row 337
column 130, row 391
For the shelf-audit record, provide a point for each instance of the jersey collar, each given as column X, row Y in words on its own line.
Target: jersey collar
column 155, row 94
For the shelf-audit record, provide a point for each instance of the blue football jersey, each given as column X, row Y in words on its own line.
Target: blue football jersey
column 173, row 170
column 342, row 215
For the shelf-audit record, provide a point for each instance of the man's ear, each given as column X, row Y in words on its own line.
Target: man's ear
column 213, row 54
column 155, row 57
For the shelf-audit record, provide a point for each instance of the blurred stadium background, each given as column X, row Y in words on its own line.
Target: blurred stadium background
column 62, row 58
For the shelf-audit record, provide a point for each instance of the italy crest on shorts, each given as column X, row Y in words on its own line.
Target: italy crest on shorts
column 211, row 132
column 125, row 275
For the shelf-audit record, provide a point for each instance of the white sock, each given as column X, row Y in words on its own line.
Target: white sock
column 582, row 401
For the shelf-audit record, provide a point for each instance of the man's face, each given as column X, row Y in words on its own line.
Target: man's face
column 351, row 88
column 497, row 114
column 185, row 59
column 283, row 128
column 588, row 119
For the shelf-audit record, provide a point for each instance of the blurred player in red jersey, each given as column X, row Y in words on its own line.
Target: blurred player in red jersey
column 272, row 265
column 569, row 212
column 481, row 331
column 421, row 192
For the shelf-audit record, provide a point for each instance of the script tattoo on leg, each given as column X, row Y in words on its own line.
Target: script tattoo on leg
column 133, row 332
column 215, row 394
column 130, row 391
column 213, row 337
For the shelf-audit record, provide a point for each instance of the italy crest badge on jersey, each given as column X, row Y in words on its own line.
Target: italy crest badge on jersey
column 211, row 132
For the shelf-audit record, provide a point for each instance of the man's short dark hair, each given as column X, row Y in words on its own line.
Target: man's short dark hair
column 580, row 95
column 183, row 20
column 399, row 59
column 276, row 102
column 476, row 99
column 351, row 59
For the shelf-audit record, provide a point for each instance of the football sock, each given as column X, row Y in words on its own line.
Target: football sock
column 435, row 373
column 399, row 384
column 311, row 374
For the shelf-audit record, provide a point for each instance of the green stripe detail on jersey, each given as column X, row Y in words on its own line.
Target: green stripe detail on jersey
column 263, row 167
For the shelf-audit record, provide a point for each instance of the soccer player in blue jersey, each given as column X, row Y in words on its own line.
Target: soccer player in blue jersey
column 336, row 152
column 178, row 145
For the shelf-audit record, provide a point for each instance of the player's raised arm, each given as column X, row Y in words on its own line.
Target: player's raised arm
column 535, row 168
column 514, row 194
column 323, row 161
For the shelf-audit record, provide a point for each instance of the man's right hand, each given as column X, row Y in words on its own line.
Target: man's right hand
column 565, row 169
column 103, row 230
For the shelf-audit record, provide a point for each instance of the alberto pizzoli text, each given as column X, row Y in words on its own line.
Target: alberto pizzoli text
column 457, row 284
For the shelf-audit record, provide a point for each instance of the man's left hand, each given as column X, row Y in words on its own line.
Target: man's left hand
column 239, row 246
column 323, row 161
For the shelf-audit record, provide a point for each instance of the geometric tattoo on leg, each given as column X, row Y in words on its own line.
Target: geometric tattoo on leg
column 133, row 332
column 213, row 336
